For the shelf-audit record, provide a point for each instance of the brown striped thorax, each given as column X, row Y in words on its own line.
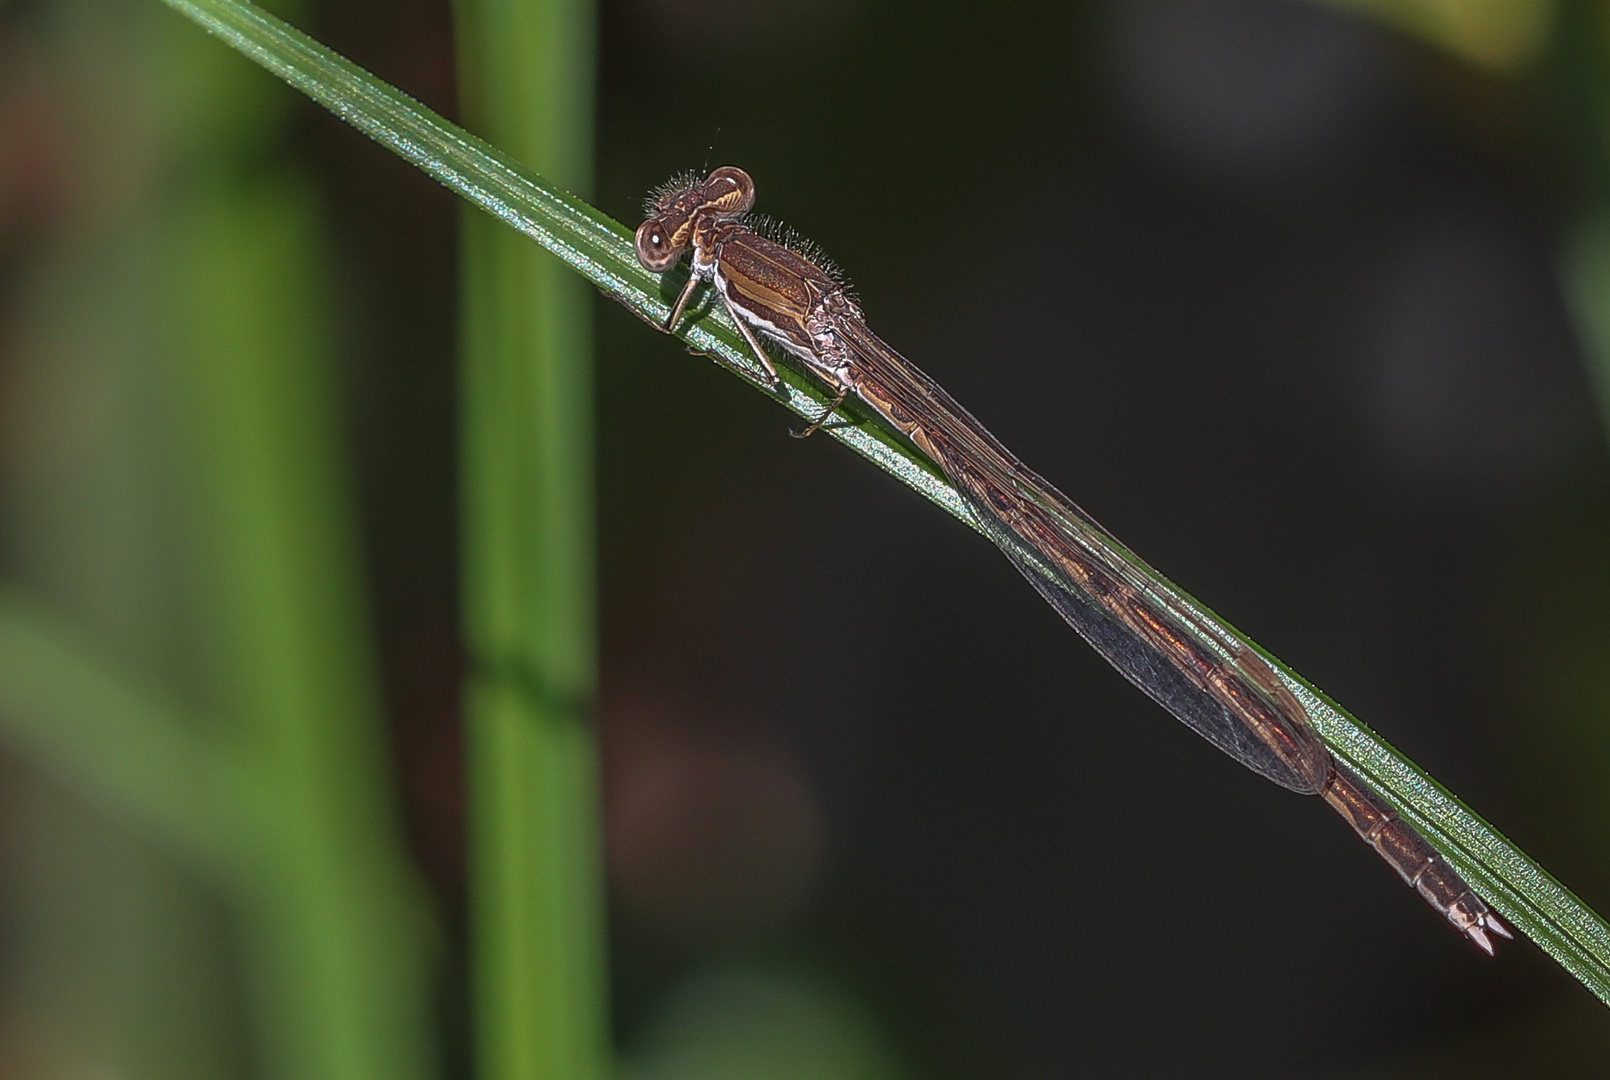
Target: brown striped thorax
column 677, row 209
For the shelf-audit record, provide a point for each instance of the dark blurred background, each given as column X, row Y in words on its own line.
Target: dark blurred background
column 1287, row 296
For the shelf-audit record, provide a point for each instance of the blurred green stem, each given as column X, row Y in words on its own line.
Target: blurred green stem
column 334, row 932
column 526, row 79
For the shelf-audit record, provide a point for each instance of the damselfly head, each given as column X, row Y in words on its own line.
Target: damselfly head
column 725, row 194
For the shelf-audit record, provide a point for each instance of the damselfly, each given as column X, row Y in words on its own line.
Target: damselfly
column 1185, row 659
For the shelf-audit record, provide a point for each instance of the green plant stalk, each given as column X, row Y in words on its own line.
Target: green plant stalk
column 527, row 528
column 600, row 249
column 333, row 930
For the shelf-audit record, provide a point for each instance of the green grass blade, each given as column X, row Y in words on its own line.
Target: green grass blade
column 535, row 851
column 600, row 250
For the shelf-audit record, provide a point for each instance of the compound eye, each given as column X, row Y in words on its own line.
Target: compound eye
column 654, row 248
column 729, row 191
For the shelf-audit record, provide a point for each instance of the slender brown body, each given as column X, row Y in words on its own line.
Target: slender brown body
column 1154, row 634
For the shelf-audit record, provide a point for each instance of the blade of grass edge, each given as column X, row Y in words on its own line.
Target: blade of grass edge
column 600, row 249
